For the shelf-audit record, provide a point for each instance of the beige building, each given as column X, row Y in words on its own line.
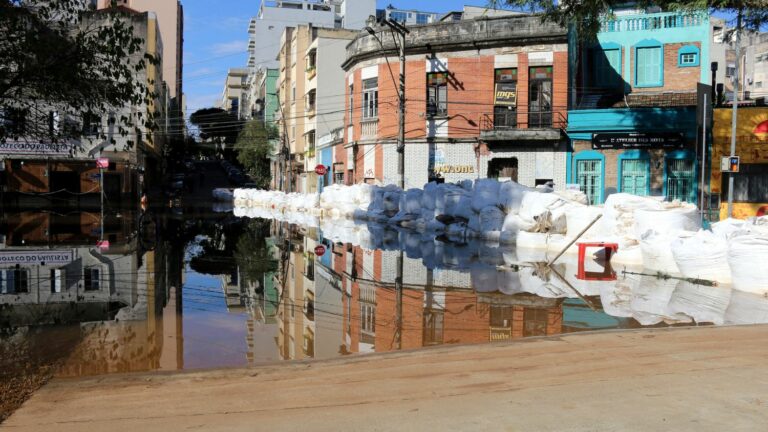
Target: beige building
column 235, row 92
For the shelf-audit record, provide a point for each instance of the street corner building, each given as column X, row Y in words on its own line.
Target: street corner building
column 485, row 97
column 633, row 118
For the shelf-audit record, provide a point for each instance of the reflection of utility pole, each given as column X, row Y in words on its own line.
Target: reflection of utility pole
column 734, row 119
column 399, row 301
column 401, row 31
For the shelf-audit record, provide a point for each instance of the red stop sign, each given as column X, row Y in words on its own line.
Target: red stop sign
column 319, row 250
column 321, row 170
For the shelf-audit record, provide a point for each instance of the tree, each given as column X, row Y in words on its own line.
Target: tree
column 61, row 55
column 217, row 124
column 585, row 15
column 253, row 147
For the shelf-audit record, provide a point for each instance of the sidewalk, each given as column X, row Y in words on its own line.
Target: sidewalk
column 686, row 379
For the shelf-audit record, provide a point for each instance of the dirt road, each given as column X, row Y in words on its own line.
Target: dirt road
column 697, row 379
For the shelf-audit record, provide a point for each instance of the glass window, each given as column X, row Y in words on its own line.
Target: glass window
column 351, row 104
column 649, row 64
column 688, row 59
column 91, row 279
column 370, row 98
column 589, row 173
column 437, row 94
column 14, row 281
column 634, row 176
column 680, row 180
column 401, row 17
column 57, row 280
column 750, row 184
column 422, row 18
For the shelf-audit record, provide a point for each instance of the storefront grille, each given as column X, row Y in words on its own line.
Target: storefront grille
column 588, row 173
column 634, row 176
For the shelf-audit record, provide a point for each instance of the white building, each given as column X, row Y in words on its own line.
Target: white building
column 408, row 16
column 235, row 92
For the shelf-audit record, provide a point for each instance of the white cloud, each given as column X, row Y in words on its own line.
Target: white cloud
column 227, row 48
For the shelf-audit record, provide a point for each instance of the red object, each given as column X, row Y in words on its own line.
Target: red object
column 319, row 250
column 608, row 274
column 762, row 211
column 103, row 244
column 321, row 170
column 102, row 163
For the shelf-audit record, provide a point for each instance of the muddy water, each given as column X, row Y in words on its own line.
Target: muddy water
column 91, row 295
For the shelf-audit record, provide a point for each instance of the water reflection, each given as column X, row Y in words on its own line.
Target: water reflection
column 98, row 294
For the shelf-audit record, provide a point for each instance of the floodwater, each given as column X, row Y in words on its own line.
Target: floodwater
column 90, row 293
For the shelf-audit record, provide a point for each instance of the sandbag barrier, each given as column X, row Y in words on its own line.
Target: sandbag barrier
column 664, row 237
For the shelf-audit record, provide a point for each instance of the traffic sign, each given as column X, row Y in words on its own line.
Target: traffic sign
column 321, row 170
column 319, row 250
column 102, row 163
column 730, row 164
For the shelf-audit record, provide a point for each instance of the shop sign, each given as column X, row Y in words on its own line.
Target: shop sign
column 454, row 169
column 637, row 140
column 35, row 257
column 506, row 94
column 32, row 148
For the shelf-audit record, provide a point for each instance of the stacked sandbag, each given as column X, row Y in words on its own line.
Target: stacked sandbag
column 702, row 256
column 657, row 252
column 667, row 220
column 727, row 227
column 747, row 257
column 705, row 304
column 221, row 194
column 511, row 195
column 618, row 220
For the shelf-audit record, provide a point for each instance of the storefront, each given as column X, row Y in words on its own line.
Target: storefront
column 750, row 189
column 642, row 151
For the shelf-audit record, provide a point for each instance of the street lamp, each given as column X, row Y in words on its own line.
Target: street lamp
column 401, row 31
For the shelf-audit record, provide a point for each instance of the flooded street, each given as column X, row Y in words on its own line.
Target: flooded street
column 180, row 291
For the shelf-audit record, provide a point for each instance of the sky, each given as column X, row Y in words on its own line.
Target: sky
column 216, row 39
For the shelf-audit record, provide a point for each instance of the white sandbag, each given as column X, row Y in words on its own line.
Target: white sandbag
column 514, row 223
column 667, row 221
column 511, row 196
column 531, row 240
column 559, row 216
column 650, row 301
column 364, row 195
column 747, row 257
column 619, row 213
column 429, row 197
column 412, row 201
column 391, row 202
column 578, row 218
column 485, row 193
column 574, row 196
column 627, row 256
column 725, row 228
column 458, row 204
column 702, row 256
column 535, row 204
column 657, row 253
column 491, row 219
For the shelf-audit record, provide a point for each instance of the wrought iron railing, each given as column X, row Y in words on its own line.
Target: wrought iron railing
column 513, row 120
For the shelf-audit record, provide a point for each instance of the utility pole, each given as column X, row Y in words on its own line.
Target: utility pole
column 401, row 119
column 734, row 117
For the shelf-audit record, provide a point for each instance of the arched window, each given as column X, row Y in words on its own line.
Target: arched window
column 635, row 172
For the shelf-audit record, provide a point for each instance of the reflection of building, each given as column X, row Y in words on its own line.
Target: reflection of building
column 485, row 97
column 61, row 270
column 751, row 182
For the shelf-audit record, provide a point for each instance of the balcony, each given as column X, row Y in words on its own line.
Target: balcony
column 369, row 129
column 658, row 21
column 505, row 125
column 608, row 99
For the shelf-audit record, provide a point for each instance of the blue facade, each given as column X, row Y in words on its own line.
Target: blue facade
column 637, row 85
column 326, row 158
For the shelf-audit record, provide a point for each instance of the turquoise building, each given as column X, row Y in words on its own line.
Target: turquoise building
column 632, row 106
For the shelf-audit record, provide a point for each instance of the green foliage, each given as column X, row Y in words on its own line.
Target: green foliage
column 217, row 124
column 60, row 55
column 252, row 254
column 253, row 148
column 585, row 15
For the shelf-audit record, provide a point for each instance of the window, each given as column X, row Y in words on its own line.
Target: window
column 589, row 173
column 400, row 17
column 535, row 322
column 540, row 97
column 730, row 70
column 53, row 123
column 367, row 322
column 750, row 184
column 422, row 18
column 634, row 173
column 91, row 124
column 505, row 98
column 293, row 93
column 759, row 84
column 688, row 56
column 311, row 100
column 370, row 98
column 91, row 281
column 680, row 176
column 433, row 327
column 15, row 281
column 338, row 178
column 649, row 66
column 14, row 122
column 437, row 94
column 606, row 67
column 57, row 280
column 351, row 104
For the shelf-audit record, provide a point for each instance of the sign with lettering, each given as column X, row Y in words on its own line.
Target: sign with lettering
column 637, row 140
column 506, row 94
column 454, row 169
column 33, row 148
column 39, row 257
column 102, row 163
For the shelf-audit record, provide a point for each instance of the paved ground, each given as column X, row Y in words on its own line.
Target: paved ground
column 699, row 379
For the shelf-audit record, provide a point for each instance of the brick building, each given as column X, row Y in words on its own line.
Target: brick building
column 484, row 98
column 632, row 119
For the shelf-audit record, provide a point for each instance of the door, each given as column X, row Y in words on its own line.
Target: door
column 64, row 180
column 112, row 192
column 503, row 169
column 634, row 176
column 680, row 180
column 588, row 173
